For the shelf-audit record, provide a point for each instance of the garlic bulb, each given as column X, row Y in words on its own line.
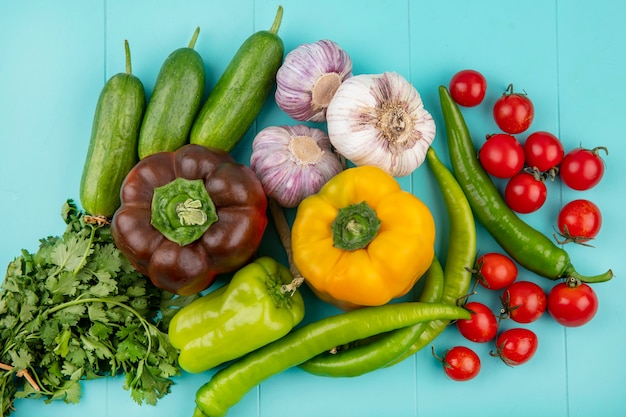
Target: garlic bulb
column 309, row 77
column 380, row 120
column 293, row 162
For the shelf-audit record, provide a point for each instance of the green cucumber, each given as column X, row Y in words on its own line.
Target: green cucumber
column 175, row 101
column 239, row 94
column 113, row 145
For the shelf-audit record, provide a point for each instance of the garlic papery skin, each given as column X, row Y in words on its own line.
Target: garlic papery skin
column 309, row 77
column 293, row 162
column 380, row 120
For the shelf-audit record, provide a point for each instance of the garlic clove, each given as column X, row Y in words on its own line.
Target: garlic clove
column 309, row 77
column 293, row 162
column 380, row 120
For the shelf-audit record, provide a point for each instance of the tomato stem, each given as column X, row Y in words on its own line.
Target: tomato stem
column 597, row 149
column 572, row 282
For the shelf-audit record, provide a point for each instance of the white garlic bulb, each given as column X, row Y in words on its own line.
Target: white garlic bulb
column 293, row 162
column 309, row 77
column 380, row 120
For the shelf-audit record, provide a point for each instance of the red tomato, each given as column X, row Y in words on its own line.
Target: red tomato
column 482, row 326
column 461, row 363
column 579, row 221
column 543, row 150
column 582, row 169
column 524, row 193
column 572, row 305
column 516, row 346
column 523, row 301
column 468, row 88
column 495, row 271
column 501, row 155
column 513, row 112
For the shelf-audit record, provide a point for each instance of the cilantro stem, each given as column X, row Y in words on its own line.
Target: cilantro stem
column 22, row 373
column 87, row 250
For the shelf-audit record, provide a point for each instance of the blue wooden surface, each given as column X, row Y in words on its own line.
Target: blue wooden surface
column 567, row 55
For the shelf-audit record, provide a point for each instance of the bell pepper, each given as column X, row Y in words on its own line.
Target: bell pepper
column 255, row 308
column 362, row 240
column 189, row 215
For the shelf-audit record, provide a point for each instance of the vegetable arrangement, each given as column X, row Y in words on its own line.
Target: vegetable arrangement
column 168, row 211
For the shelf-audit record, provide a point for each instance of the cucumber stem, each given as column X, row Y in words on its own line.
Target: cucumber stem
column 192, row 42
column 129, row 68
column 277, row 20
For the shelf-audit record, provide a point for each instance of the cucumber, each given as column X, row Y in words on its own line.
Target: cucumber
column 113, row 145
column 239, row 94
column 175, row 101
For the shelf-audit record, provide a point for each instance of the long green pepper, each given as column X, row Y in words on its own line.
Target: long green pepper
column 528, row 246
column 368, row 357
column 231, row 383
column 461, row 249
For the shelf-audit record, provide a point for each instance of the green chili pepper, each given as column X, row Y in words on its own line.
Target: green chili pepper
column 528, row 246
column 231, row 383
column 461, row 249
column 360, row 358
column 252, row 310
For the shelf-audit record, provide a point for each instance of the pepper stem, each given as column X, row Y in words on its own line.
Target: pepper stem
column 182, row 210
column 355, row 226
column 571, row 273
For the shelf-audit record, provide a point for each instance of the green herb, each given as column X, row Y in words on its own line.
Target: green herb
column 77, row 309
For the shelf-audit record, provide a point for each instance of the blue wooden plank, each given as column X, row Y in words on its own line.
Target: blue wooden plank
column 591, row 111
column 51, row 75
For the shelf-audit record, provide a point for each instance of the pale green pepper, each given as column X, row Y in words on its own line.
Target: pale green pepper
column 258, row 306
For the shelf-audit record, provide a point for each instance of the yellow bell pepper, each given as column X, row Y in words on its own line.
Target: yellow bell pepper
column 362, row 240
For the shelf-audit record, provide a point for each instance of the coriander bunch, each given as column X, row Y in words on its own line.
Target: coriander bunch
column 77, row 310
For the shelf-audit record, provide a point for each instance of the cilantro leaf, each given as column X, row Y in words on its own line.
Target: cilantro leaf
column 21, row 359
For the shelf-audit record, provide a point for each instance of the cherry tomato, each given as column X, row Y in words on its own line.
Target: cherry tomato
column 460, row 363
column 525, row 193
column 572, row 304
column 579, row 221
column 543, row 151
column 523, row 301
column 516, row 346
column 495, row 271
column 482, row 326
column 513, row 112
column 501, row 155
column 468, row 88
column 582, row 169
